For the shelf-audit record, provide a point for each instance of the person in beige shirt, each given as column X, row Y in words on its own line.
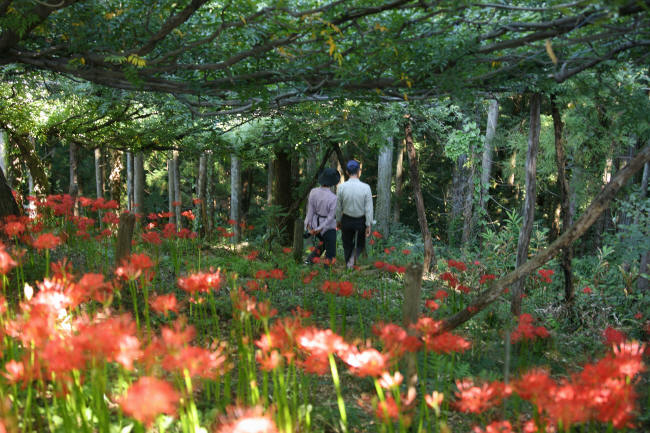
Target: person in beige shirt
column 354, row 213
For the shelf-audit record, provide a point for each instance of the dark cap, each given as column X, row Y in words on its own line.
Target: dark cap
column 329, row 177
column 353, row 166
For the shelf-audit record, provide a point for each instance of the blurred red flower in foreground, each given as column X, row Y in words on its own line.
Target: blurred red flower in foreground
column 149, row 397
column 7, row 263
column 163, row 304
column 201, row 282
column 246, row 420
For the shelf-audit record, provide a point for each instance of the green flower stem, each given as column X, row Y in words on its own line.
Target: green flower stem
column 339, row 396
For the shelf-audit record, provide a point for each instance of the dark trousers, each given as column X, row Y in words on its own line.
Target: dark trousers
column 327, row 244
column 353, row 230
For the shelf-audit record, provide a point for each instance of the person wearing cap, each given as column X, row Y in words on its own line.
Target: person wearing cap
column 321, row 215
column 354, row 213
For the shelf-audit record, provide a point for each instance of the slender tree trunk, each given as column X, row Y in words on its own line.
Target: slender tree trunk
column 31, row 207
column 177, row 190
column 246, row 192
column 642, row 283
column 8, row 205
column 201, row 186
column 565, row 194
column 269, row 182
column 99, row 174
column 3, row 150
column 399, row 179
column 384, row 175
column 129, row 181
column 209, row 192
column 235, row 194
column 486, row 163
column 73, row 188
column 429, row 255
column 469, row 202
column 138, row 183
column 283, row 193
column 458, row 187
column 170, row 190
column 115, row 176
column 529, row 204
column 27, row 148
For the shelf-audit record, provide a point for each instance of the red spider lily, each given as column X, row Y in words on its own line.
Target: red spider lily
column 379, row 265
column 268, row 361
column 432, row 305
column 389, row 409
column 464, row 289
column 545, row 275
column 92, row 286
column 229, row 235
column 613, row 336
column 169, row 231
column 242, row 302
column 112, row 339
column 449, row 278
column 196, row 201
column 262, row 274
column 485, row 278
column 441, row 294
column 7, row 263
column 287, row 250
column 406, row 252
column 232, row 222
column 587, row 290
column 377, row 235
column 371, row 242
column 396, row 340
column 388, row 381
column 147, row 398
column 47, row 241
column 152, row 238
column 202, row 282
column 263, row 311
column 246, row 420
column 446, row 343
column 638, row 316
column 367, row 294
column 434, row 400
column 134, row 266
column 179, row 336
column 197, row 361
column 163, row 304
column 460, row 266
column 176, row 203
column 387, row 251
column 250, row 227
column 277, row 274
column 254, row 285
column 15, row 371
column 368, row 362
column 14, row 228
column 526, row 331
column 153, row 216
column 318, row 344
column 253, row 255
column 476, row 399
column 83, row 223
column 111, row 218
column 185, row 233
column 309, row 277
column 495, row 427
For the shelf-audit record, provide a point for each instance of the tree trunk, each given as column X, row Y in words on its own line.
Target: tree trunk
column 642, row 283
column 8, row 205
column 115, row 176
column 399, row 179
column 529, row 203
column 458, row 187
column 177, row 190
column 410, row 314
column 201, row 186
column 246, row 192
column 99, row 174
column 73, row 188
column 209, row 193
column 124, row 237
column 486, row 163
column 138, row 183
column 235, row 194
column 170, row 190
column 27, row 148
column 283, row 194
column 429, row 255
column 565, row 194
column 469, row 202
column 269, row 182
column 384, row 174
column 3, row 150
column 129, row 181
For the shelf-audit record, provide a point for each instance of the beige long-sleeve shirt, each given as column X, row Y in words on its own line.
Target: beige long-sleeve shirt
column 354, row 199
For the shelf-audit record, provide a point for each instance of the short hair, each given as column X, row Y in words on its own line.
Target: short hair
column 353, row 166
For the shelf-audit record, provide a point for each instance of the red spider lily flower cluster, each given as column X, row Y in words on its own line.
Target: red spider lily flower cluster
column 309, row 277
column 151, row 237
column 201, row 282
column 390, row 268
column 525, row 329
column 14, row 229
column 339, row 288
column 134, row 266
column 163, row 304
column 439, row 342
column 441, row 294
column 287, row 250
column 495, row 427
column 450, row 278
column 471, row 398
column 459, row 266
column 613, row 336
column 396, row 341
column 47, row 241
column 587, row 290
column 160, row 398
column 273, row 274
column 253, row 255
column 7, row 263
column 545, row 275
column 485, row 278
column 246, row 420
column 189, row 215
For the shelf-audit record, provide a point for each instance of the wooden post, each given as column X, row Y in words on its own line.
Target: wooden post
column 411, row 312
column 298, row 240
column 124, row 236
